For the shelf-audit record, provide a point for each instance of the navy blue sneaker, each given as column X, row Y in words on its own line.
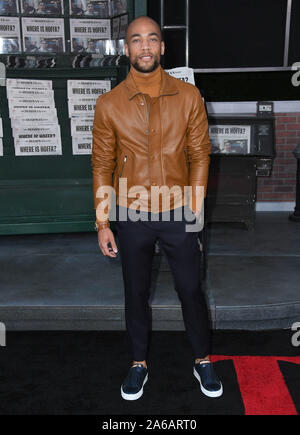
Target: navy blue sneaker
column 132, row 387
column 210, row 384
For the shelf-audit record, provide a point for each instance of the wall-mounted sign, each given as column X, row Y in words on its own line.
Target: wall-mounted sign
column 264, row 108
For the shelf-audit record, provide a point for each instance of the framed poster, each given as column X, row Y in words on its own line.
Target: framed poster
column 230, row 139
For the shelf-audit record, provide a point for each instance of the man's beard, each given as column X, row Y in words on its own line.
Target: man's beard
column 146, row 69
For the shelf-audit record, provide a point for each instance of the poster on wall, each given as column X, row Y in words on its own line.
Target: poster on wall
column 88, row 35
column 22, row 109
column 33, row 117
column 43, row 35
column 183, row 73
column 118, row 7
column 82, row 144
column 18, row 92
column 10, row 40
column 115, row 27
column 82, row 98
column 29, row 105
column 123, row 26
column 85, row 106
column 87, row 88
column 27, row 84
column 42, row 7
column 47, row 131
column 9, row 7
column 40, row 119
column 89, row 8
column 230, row 139
column 37, row 147
column 82, row 126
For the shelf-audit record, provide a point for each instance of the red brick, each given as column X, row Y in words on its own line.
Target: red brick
column 293, row 126
column 280, row 140
column 283, row 161
column 285, row 175
column 293, row 141
column 288, row 154
column 273, row 182
column 280, row 133
column 283, row 188
column 270, row 196
column 290, row 133
column 266, row 189
column 291, row 181
column 287, row 196
column 286, row 119
column 283, row 168
column 285, row 147
column 290, row 195
column 280, row 127
column 286, row 133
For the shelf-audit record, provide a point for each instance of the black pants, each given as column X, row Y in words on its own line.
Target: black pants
column 136, row 246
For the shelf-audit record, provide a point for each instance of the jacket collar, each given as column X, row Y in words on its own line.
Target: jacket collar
column 168, row 86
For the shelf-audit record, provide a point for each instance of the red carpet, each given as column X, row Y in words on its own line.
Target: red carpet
column 262, row 385
column 80, row 372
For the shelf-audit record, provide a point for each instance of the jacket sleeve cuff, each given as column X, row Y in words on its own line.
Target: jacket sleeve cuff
column 101, row 225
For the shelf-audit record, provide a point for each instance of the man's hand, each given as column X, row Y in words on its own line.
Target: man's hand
column 106, row 237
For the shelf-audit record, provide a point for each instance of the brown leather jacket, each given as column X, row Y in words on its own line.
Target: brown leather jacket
column 150, row 141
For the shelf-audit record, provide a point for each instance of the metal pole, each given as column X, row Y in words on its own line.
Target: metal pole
column 162, row 17
column 287, row 33
column 187, row 34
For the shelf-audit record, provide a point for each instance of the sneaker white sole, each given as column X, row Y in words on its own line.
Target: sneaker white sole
column 208, row 393
column 136, row 395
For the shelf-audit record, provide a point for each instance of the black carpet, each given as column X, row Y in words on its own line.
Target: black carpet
column 57, row 373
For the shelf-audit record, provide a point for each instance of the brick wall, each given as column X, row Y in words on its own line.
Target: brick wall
column 281, row 185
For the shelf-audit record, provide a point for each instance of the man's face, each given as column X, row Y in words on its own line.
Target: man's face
column 144, row 46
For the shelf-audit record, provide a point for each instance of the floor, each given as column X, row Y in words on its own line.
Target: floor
column 63, row 282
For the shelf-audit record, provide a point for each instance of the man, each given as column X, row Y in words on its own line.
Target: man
column 41, row 10
column 90, row 10
column 28, row 8
column 75, row 10
column 151, row 131
column 91, row 48
column 43, row 47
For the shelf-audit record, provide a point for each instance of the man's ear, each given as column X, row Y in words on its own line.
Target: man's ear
column 126, row 50
column 162, row 48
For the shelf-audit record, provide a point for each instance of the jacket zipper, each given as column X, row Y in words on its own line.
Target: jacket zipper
column 124, row 161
